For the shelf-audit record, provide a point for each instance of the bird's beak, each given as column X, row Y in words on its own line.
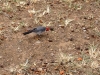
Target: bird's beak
column 52, row 29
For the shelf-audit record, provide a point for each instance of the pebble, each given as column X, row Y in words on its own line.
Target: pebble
column 0, row 57
column 40, row 69
column 84, row 28
column 38, row 42
column 50, row 40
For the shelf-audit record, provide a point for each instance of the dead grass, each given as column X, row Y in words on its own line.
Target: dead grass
column 87, row 62
column 84, row 62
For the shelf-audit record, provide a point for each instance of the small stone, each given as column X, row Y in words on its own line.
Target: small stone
column 62, row 26
column 40, row 69
column 86, row 37
column 18, row 48
column 78, row 48
column 33, row 69
column 84, row 29
column 1, row 66
column 44, row 65
column 86, row 48
column 72, row 30
column 38, row 42
column 50, row 40
column 85, row 17
column 52, row 61
column 41, row 59
column 0, row 57
column 52, row 54
column 71, row 39
column 92, row 35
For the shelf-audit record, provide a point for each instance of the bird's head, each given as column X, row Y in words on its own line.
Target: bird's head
column 49, row 28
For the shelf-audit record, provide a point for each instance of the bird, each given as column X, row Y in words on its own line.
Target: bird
column 38, row 30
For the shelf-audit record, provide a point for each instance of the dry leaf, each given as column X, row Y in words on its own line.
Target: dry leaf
column 79, row 59
column 61, row 72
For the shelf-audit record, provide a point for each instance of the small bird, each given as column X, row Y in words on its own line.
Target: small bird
column 38, row 30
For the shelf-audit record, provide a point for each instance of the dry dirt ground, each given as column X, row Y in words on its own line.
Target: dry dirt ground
column 72, row 48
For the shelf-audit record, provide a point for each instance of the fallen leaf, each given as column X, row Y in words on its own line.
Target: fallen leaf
column 61, row 72
column 79, row 59
column 30, row 14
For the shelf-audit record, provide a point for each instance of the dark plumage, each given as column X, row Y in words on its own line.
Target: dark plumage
column 37, row 30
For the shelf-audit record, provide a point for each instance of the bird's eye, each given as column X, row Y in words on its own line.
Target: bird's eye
column 35, row 28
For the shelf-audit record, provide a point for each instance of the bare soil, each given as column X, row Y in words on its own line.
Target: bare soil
column 63, row 51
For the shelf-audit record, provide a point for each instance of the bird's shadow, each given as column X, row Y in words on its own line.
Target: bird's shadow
column 38, row 37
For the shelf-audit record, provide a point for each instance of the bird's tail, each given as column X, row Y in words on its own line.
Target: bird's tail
column 30, row 31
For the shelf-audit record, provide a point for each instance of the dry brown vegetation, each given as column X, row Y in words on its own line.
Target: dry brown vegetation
column 72, row 48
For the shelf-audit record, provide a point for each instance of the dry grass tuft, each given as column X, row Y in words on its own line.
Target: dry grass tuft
column 93, row 51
